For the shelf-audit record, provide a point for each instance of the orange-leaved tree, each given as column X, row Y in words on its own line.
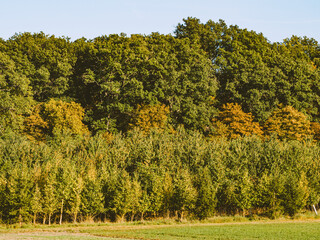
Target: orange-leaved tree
column 288, row 123
column 232, row 123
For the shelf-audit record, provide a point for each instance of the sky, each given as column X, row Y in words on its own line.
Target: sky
column 276, row 19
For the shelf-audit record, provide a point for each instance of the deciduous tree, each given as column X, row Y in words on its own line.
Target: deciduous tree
column 232, row 122
column 288, row 123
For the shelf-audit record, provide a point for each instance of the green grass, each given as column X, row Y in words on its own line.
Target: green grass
column 279, row 229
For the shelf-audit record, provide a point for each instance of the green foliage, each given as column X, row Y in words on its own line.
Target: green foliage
column 184, row 194
column 92, row 198
column 15, row 95
column 159, row 174
column 255, row 73
column 114, row 74
column 206, row 197
column 127, row 193
column 295, row 194
column 46, row 60
column 269, row 190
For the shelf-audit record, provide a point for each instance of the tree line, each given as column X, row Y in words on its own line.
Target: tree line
column 214, row 119
column 202, row 67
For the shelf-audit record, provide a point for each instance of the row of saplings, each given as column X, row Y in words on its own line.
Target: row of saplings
column 155, row 175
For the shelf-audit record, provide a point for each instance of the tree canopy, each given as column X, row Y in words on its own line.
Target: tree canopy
column 195, row 72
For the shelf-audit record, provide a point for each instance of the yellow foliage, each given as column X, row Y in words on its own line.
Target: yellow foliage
column 313, row 66
column 64, row 116
column 53, row 116
column 232, row 123
column 147, row 117
column 108, row 137
column 288, row 123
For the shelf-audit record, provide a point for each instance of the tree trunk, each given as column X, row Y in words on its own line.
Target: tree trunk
column 20, row 219
column 122, row 217
column 61, row 212
column 49, row 219
column 75, row 217
column 181, row 216
column 34, row 218
column 44, row 219
column 141, row 219
column 168, row 214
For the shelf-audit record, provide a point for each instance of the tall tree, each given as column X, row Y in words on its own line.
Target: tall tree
column 15, row 95
column 116, row 73
column 46, row 60
column 255, row 73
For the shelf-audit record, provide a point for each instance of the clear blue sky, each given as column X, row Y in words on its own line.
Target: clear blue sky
column 276, row 19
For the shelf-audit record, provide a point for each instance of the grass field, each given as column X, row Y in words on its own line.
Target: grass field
column 239, row 230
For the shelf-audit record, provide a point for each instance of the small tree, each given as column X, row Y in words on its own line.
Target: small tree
column 36, row 205
column 232, row 123
column 17, row 194
column 295, row 193
column 50, row 203
column 184, row 193
column 92, row 198
column 206, row 199
column 269, row 190
column 126, row 196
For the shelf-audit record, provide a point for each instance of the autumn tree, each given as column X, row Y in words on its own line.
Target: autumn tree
column 55, row 116
column 315, row 128
column 232, row 122
column 147, row 117
column 288, row 123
